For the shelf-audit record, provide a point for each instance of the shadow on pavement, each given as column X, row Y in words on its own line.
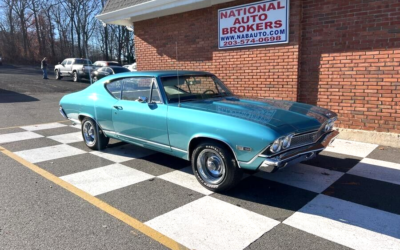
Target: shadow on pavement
column 7, row 96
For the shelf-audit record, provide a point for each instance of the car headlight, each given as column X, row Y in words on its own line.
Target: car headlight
column 276, row 146
column 286, row 141
column 330, row 124
column 281, row 143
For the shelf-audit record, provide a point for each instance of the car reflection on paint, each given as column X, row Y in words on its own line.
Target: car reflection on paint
column 194, row 116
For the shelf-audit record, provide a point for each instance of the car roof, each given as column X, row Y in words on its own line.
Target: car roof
column 162, row 73
column 113, row 66
column 108, row 61
column 77, row 59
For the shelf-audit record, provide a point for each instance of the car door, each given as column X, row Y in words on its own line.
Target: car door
column 141, row 116
column 62, row 68
column 68, row 67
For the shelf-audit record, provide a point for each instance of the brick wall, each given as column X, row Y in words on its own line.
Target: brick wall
column 267, row 71
column 350, row 58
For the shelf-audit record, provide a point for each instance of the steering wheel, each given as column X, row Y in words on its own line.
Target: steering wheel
column 209, row 90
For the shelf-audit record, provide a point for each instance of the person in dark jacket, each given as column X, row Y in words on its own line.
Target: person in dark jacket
column 43, row 66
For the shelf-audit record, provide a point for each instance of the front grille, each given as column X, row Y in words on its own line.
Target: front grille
column 304, row 139
column 299, row 141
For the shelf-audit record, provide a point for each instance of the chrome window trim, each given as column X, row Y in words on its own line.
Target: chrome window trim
column 162, row 101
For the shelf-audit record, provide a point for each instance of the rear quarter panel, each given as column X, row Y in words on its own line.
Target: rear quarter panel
column 94, row 102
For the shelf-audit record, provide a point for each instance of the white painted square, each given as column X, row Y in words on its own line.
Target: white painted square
column 49, row 153
column 105, row 179
column 185, row 178
column 208, row 223
column 20, row 136
column 359, row 149
column 348, row 223
column 43, row 126
column 378, row 170
column 67, row 138
column 304, row 176
column 123, row 153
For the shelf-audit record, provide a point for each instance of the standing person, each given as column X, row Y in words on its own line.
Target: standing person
column 43, row 66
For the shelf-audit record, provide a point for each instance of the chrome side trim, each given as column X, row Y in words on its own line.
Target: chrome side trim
column 180, row 150
column 139, row 139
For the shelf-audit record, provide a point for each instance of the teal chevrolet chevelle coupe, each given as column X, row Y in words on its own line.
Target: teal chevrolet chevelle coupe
column 194, row 116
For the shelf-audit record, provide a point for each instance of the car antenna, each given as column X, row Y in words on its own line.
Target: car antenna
column 177, row 73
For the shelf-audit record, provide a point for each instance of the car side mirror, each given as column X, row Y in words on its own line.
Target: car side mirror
column 142, row 99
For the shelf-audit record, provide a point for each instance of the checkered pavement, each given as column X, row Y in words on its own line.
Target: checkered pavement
column 348, row 197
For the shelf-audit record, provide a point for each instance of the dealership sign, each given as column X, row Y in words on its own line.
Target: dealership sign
column 255, row 24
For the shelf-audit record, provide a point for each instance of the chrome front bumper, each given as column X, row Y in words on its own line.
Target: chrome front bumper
column 298, row 155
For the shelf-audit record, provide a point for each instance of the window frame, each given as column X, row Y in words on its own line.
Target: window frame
column 154, row 80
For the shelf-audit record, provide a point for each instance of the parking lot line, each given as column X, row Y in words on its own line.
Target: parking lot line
column 136, row 224
column 35, row 124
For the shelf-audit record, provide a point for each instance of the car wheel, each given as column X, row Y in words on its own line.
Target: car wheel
column 75, row 76
column 92, row 135
column 58, row 77
column 215, row 166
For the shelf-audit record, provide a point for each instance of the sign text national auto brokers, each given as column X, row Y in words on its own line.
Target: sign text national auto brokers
column 254, row 24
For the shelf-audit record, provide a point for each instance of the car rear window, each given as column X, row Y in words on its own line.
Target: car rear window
column 121, row 70
column 83, row 61
column 113, row 64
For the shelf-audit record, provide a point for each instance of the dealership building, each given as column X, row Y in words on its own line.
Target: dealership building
column 341, row 55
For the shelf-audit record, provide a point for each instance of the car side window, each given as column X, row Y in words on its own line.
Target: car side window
column 64, row 62
column 69, row 62
column 133, row 88
column 115, row 88
column 108, row 70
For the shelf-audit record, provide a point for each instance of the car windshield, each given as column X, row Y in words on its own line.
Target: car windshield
column 193, row 87
column 83, row 61
column 120, row 70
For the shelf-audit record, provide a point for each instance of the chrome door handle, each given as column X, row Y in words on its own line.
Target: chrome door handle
column 118, row 107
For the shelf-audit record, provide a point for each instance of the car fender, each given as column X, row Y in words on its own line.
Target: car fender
column 212, row 137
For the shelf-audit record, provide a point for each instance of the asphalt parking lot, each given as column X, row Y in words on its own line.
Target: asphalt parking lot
column 57, row 194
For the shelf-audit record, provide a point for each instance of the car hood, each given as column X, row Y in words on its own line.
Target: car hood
column 283, row 116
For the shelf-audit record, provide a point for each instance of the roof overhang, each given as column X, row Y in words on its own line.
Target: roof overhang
column 153, row 9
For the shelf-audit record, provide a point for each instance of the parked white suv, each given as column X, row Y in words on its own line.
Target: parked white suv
column 77, row 68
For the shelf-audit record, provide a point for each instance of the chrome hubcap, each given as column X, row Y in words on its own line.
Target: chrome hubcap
column 211, row 166
column 89, row 133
